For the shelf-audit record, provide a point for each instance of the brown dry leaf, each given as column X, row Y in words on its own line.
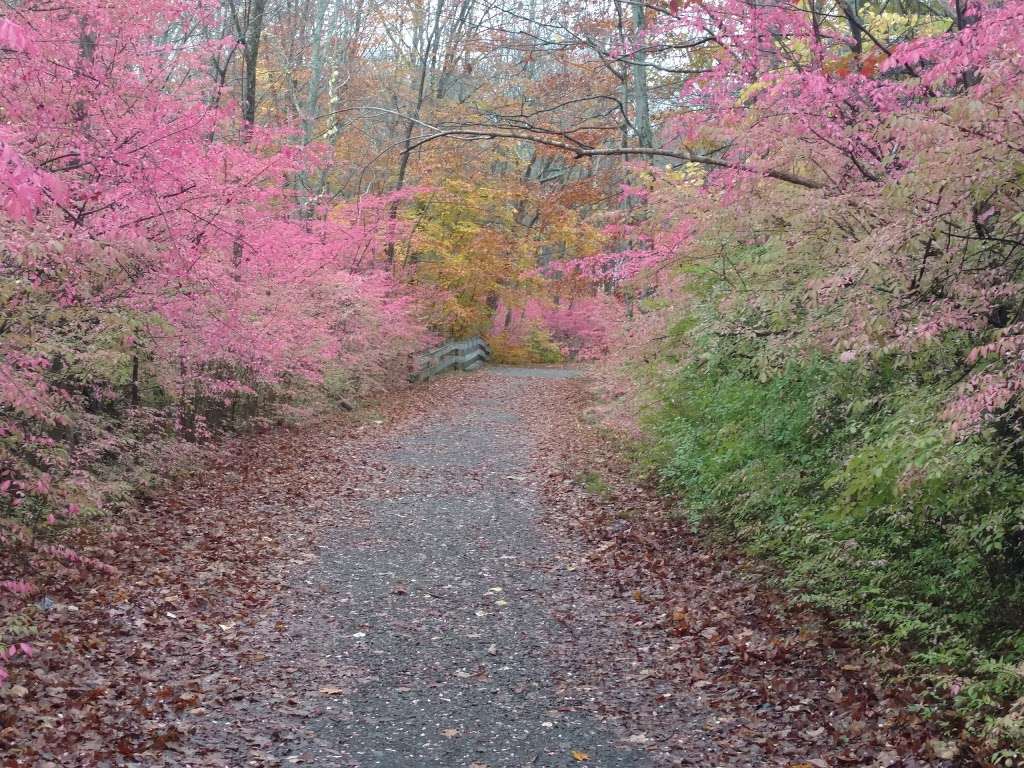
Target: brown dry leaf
column 579, row 756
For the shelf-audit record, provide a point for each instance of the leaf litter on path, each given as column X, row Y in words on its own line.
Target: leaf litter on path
column 235, row 636
column 697, row 636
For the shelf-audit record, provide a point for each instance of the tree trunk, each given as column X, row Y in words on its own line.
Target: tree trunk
column 252, row 32
column 310, row 188
column 430, row 41
column 641, row 98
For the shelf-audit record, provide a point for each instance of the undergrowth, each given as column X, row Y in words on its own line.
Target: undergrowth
column 847, row 478
column 534, row 347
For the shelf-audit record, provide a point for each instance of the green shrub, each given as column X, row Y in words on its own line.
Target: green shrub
column 848, row 479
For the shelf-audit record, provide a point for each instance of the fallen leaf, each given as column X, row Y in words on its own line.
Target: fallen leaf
column 579, row 756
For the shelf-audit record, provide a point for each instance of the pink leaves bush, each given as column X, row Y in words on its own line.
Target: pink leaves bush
column 879, row 172
column 583, row 327
column 154, row 255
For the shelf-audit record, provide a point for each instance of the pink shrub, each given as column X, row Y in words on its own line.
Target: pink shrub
column 163, row 244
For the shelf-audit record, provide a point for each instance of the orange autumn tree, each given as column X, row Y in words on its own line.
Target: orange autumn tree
column 478, row 248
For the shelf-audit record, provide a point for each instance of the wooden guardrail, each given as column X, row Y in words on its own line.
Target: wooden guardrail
column 465, row 355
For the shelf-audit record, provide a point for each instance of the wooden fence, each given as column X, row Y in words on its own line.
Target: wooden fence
column 464, row 355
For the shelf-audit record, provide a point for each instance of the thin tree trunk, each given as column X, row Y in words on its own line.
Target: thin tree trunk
column 316, row 66
column 310, row 189
column 410, row 126
column 641, row 97
column 252, row 32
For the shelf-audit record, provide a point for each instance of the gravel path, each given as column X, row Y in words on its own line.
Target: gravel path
column 436, row 592
column 534, row 373
column 439, row 585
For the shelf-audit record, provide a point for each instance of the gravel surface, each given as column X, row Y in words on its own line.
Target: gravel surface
column 535, row 373
column 430, row 630
column 442, row 597
column 464, row 575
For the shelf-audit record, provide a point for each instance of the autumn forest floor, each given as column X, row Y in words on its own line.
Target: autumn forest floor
column 466, row 577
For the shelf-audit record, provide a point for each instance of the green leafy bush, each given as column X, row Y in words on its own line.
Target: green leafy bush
column 845, row 475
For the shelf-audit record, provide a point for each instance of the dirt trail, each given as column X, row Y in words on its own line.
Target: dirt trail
column 429, row 610
column 434, row 605
column 433, row 587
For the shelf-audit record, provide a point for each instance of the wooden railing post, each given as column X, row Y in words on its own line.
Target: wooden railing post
column 465, row 355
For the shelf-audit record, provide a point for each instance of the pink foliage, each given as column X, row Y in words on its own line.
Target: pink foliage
column 155, row 183
column 587, row 325
column 641, row 253
column 905, row 152
column 584, row 327
column 133, row 203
